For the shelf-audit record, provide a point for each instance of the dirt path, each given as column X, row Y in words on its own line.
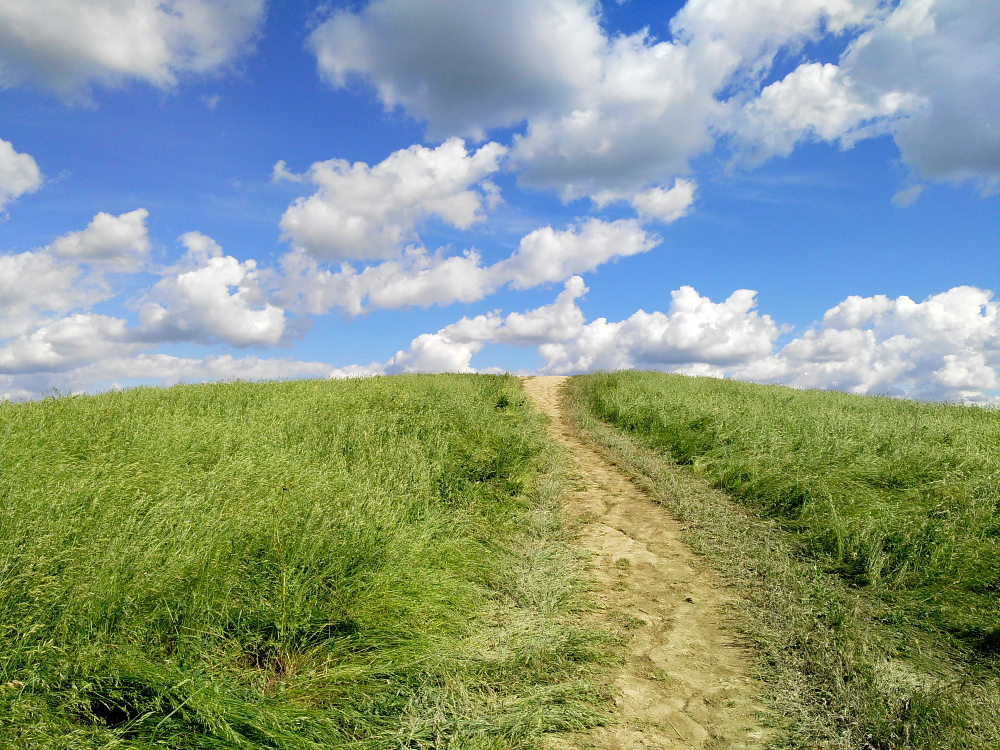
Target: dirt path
column 684, row 684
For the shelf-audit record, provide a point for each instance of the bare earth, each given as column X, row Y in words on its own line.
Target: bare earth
column 685, row 683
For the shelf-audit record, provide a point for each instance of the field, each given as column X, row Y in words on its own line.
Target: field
column 383, row 563
column 364, row 564
column 863, row 534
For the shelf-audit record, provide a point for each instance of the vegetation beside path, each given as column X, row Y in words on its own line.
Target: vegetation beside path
column 372, row 563
column 862, row 534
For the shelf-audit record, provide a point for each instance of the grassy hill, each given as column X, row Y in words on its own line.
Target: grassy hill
column 367, row 564
column 863, row 533
column 381, row 563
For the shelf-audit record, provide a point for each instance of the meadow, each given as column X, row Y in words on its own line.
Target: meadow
column 862, row 533
column 374, row 563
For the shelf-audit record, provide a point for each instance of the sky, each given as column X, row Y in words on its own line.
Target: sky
column 803, row 192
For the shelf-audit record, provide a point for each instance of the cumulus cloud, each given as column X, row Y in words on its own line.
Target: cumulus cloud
column 947, row 347
column 452, row 348
column 548, row 255
column 656, row 203
column 66, row 44
column 666, row 205
column 602, row 113
column 693, row 331
column 40, row 285
column 46, row 295
column 168, row 370
column 695, row 335
column 363, row 212
column 219, row 299
column 818, row 102
column 34, row 284
column 419, row 278
column 19, row 174
column 924, row 72
column 946, row 54
column 465, row 66
column 117, row 241
column 619, row 114
column 66, row 343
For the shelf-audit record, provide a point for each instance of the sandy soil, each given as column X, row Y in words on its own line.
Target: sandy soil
column 685, row 683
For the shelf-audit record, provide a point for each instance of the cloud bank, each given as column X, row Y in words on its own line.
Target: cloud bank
column 945, row 348
column 616, row 114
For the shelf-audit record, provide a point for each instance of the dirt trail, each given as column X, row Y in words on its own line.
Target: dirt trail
column 684, row 684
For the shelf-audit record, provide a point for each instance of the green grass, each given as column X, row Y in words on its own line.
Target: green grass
column 862, row 532
column 369, row 564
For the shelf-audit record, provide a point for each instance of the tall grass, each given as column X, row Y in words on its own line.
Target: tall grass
column 373, row 563
column 865, row 536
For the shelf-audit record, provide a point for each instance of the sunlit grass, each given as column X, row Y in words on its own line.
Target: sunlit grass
column 863, row 532
column 372, row 563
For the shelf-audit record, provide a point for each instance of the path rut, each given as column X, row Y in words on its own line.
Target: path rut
column 685, row 683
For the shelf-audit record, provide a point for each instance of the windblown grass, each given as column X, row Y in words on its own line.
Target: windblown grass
column 863, row 533
column 373, row 564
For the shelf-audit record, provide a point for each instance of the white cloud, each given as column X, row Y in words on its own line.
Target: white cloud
column 218, row 300
column 46, row 296
column 947, row 347
column 465, row 66
column 602, row 113
column 655, row 105
column 452, row 348
column 34, row 284
column 560, row 321
column 925, row 72
column 435, row 352
column 815, row 101
column 637, row 121
column 666, row 205
column 656, row 203
column 618, row 114
column 120, row 241
column 66, row 343
column 19, row 174
column 363, row 212
column 66, row 44
column 966, row 371
column 40, row 285
column 419, row 278
column 548, row 255
column 906, row 197
column 696, row 335
column 947, row 53
column 694, row 330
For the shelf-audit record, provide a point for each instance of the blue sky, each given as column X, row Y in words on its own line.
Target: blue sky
column 792, row 191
